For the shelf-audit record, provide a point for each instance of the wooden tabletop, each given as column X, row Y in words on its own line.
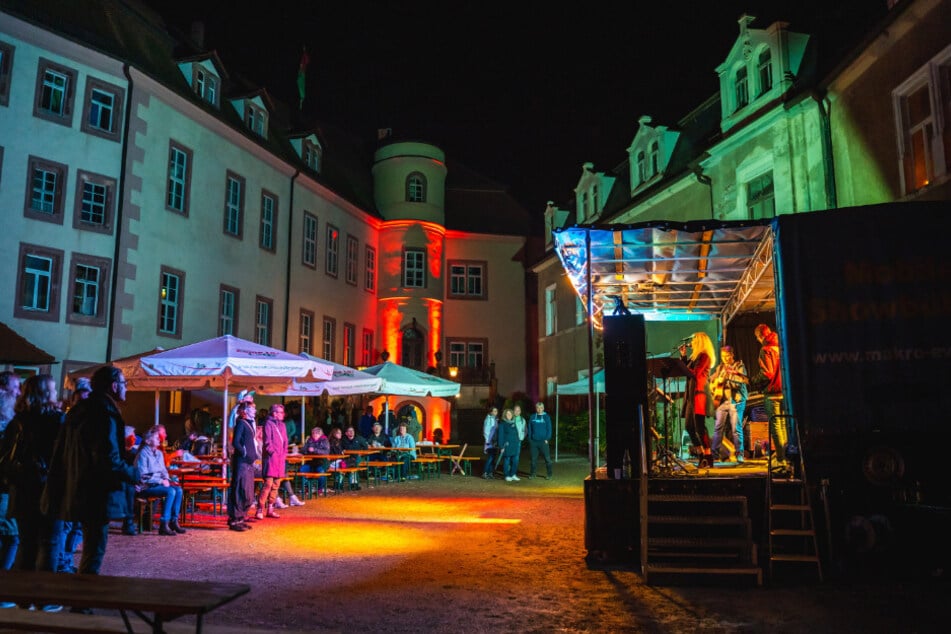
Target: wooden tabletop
column 168, row 597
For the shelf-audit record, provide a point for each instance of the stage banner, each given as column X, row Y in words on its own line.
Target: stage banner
column 865, row 317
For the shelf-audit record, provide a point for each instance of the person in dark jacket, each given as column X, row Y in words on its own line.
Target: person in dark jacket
column 509, row 445
column 33, row 433
column 539, row 435
column 243, row 455
column 352, row 440
column 90, row 463
column 770, row 377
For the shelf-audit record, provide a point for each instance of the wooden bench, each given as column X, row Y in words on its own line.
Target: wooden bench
column 164, row 599
column 39, row 621
column 340, row 473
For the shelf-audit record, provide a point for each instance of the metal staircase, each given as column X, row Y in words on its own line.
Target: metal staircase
column 791, row 522
column 698, row 535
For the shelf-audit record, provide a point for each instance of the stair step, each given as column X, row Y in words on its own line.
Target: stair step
column 804, row 532
column 777, row 480
column 800, row 558
column 789, row 507
column 700, row 542
column 693, row 569
column 697, row 519
column 695, row 498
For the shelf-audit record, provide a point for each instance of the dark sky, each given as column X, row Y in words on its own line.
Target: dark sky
column 523, row 92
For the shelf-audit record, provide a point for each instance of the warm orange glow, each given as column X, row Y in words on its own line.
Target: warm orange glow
column 435, row 330
column 391, row 317
column 453, row 371
column 435, row 247
column 436, row 412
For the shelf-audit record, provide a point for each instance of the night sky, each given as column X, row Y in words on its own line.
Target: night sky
column 519, row 91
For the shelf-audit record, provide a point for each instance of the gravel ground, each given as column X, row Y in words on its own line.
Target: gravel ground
column 463, row 554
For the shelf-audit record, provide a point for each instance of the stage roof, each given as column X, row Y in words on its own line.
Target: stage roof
column 666, row 270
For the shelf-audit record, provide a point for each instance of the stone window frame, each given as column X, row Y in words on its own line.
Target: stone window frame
column 332, row 251
column 242, row 183
column 175, row 146
column 56, row 274
column 307, row 239
column 352, row 265
column 118, row 94
column 482, row 264
column 328, row 338
column 62, row 174
column 236, row 294
column 416, row 188
column 308, row 316
column 369, row 278
column 349, row 346
column 179, row 303
column 66, row 117
column 7, row 52
column 274, row 212
column 83, row 177
column 405, row 281
column 266, row 327
column 105, row 281
column 366, row 347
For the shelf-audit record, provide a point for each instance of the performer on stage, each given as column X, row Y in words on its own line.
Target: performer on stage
column 729, row 397
column 698, row 404
column 771, row 377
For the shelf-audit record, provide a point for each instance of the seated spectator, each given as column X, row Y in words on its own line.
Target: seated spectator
column 378, row 439
column 157, row 483
column 317, row 445
column 336, row 447
column 403, row 439
column 352, row 440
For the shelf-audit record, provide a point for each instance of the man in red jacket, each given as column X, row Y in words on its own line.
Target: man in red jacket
column 770, row 374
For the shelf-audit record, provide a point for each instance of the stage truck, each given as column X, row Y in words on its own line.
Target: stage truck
column 862, row 301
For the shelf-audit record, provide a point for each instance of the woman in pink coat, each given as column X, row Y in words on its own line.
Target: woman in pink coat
column 273, row 460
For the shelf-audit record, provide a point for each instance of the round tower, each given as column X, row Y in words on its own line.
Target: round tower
column 409, row 184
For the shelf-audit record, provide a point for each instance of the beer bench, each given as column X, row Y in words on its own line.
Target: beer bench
column 154, row 601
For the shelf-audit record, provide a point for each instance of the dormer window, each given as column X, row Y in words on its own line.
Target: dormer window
column 205, row 86
column 416, row 188
column 312, row 155
column 654, row 158
column 641, row 167
column 741, row 87
column 765, row 65
column 256, row 119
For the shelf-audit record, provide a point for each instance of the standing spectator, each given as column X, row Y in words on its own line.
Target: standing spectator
column 386, row 419
column 156, row 482
column 10, row 384
column 522, row 431
column 490, row 431
column 366, row 422
column 770, row 378
column 90, row 462
column 317, row 445
column 413, row 427
column 9, row 535
column 243, row 455
column 404, row 440
column 509, row 445
column 539, row 435
column 273, row 460
column 29, row 440
column 73, row 531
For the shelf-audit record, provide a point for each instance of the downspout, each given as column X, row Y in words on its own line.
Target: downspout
column 825, row 124
column 287, row 276
column 120, row 187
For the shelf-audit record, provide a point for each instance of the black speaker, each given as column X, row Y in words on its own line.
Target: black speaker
column 625, row 386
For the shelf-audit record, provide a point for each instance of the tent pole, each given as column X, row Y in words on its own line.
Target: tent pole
column 156, row 407
column 557, row 400
column 592, row 425
column 597, row 430
column 224, row 424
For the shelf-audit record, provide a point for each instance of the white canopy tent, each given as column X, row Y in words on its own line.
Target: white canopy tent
column 402, row 381
column 226, row 362
column 345, row 381
column 582, row 386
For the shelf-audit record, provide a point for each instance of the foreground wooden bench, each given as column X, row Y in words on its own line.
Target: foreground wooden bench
column 38, row 621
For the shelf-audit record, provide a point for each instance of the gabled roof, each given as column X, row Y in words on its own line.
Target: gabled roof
column 16, row 350
column 211, row 56
column 477, row 204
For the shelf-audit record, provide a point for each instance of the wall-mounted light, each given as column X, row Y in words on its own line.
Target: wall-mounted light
column 453, row 371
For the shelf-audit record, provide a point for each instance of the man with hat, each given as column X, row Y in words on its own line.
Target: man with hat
column 729, row 384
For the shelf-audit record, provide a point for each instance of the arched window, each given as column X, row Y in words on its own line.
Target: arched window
column 416, row 188
column 765, row 66
column 654, row 157
column 641, row 167
column 741, row 88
